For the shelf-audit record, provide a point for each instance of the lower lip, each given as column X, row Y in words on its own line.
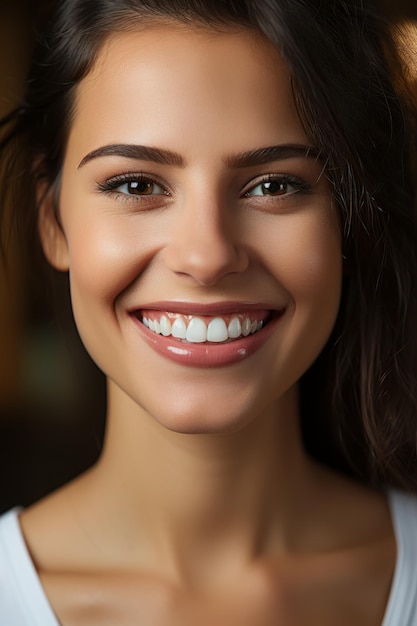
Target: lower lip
column 206, row 354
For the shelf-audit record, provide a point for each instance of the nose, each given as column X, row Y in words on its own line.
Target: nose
column 204, row 244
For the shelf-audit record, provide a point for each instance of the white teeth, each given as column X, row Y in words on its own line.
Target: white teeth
column 196, row 331
column 179, row 328
column 234, row 329
column 165, row 326
column 246, row 327
column 217, row 330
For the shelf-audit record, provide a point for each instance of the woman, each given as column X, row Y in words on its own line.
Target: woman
column 230, row 189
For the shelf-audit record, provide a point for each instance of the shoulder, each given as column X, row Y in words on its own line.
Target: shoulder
column 402, row 606
column 22, row 600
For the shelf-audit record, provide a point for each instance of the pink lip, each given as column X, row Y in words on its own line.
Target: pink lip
column 206, row 354
column 213, row 308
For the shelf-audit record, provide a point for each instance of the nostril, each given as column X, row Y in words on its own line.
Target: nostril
column 203, row 249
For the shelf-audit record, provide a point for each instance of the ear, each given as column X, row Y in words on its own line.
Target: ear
column 53, row 240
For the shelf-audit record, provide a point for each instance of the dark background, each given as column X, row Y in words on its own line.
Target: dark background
column 51, row 395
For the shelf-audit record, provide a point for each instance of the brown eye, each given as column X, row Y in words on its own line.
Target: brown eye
column 272, row 188
column 141, row 188
column 133, row 186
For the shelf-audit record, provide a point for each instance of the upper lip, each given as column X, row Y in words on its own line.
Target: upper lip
column 212, row 308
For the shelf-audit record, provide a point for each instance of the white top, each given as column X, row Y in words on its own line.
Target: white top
column 23, row 601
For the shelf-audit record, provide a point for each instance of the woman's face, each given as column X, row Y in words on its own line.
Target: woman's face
column 194, row 211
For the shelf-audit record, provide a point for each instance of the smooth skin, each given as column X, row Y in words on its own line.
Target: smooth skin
column 203, row 507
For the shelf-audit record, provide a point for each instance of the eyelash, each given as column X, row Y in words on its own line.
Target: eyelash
column 110, row 186
column 299, row 185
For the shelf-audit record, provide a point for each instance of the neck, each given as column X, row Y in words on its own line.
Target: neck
column 196, row 496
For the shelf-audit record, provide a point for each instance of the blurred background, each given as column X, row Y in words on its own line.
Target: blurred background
column 51, row 395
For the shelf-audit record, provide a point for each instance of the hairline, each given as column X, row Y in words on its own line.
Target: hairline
column 138, row 24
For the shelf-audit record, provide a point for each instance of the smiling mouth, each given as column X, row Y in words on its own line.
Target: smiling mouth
column 200, row 329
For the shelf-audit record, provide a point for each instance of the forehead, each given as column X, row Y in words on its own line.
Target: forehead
column 168, row 84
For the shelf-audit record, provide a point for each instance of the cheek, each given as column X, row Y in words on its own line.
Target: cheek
column 316, row 288
column 318, row 266
column 304, row 254
column 307, row 262
column 107, row 255
column 318, row 284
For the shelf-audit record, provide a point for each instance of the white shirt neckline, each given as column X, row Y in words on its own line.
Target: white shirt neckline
column 38, row 610
column 33, row 601
column 403, row 593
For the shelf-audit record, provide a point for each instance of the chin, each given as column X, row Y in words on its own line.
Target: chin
column 205, row 425
column 204, row 420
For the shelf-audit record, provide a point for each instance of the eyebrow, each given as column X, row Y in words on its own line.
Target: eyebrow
column 131, row 151
column 250, row 158
column 261, row 156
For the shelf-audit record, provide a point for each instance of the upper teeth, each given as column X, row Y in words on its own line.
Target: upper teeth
column 197, row 331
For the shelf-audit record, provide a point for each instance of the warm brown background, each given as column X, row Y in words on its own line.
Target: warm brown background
column 51, row 396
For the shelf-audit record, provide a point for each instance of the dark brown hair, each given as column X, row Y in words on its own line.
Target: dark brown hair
column 359, row 400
